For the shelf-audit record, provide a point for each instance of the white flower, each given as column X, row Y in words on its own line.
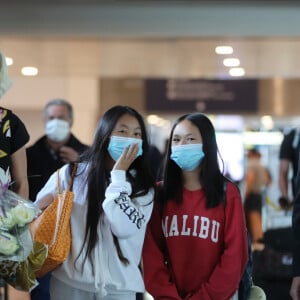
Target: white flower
column 7, row 221
column 23, row 214
column 19, row 215
column 4, row 181
column 8, row 243
column 4, row 177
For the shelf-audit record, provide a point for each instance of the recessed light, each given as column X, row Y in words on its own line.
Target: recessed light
column 9, row 61
column 152, row 119
column 231, row 62
column 267, row 122
column 29, row 71
column 224, row 50
column 236, row 72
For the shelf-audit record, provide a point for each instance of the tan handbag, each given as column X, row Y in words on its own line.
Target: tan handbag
column 53, row 227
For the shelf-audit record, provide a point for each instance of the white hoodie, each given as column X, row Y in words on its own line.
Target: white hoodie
column 126, row 218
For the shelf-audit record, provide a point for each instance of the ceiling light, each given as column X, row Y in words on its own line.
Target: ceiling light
column 231, row 62
column 29, row 71
column 236, row 72
column 9, row 61
column 224, row 50
column 153, row 119
column 267, row 122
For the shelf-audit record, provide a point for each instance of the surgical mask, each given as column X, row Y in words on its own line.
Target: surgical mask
column 57, row 130
column 118, row 143
column 188, row 157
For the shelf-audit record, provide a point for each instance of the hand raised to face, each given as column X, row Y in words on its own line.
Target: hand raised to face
column 127, row 157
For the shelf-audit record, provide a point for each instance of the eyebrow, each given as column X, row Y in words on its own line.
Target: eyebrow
column 176, row 134
column 124, row 125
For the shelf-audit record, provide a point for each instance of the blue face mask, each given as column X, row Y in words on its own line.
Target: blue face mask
column 188, row 157
column 118, row 143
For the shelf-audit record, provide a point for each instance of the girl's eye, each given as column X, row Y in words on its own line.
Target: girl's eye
column 190, row 139
column 138, row 134
column 122, row 131
column 175, row 140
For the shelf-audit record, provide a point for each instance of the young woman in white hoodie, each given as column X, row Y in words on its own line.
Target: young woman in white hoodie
column 113, row 202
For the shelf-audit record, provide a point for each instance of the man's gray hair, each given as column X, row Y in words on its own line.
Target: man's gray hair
column 60, row 102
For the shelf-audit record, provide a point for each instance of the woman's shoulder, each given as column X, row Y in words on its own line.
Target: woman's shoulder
column 5, row 114
column 9, row 114
column 232, row 189
column 232, row 192
column 5, row 110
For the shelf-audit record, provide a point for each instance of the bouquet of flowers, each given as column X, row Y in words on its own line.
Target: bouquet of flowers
column 15, row 215
column 19, row 256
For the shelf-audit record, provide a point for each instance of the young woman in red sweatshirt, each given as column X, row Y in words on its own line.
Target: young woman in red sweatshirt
column 196, row 243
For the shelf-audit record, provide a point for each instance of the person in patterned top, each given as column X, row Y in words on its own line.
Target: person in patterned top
column 13, row 138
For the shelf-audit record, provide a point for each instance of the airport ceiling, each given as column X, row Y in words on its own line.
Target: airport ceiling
column 268, row 31
column 148, row 19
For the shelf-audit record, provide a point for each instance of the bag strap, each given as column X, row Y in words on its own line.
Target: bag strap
column 70, row 187
column 74, row 169
column 58, row 181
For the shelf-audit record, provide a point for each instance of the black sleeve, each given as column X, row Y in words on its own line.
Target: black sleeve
column 296, row 227
column 286, row 148
column 19, row 133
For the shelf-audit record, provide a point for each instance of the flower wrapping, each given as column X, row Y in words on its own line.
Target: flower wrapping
column 17, row 249
column 16, row 214
column 21, row 275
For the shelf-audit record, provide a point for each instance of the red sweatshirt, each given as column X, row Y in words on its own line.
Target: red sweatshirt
column 205, row 249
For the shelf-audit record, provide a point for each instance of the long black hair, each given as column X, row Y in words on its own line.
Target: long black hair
column 210, row 175
column 98, row 173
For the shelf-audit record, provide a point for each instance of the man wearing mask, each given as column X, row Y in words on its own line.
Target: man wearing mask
column 57, row 147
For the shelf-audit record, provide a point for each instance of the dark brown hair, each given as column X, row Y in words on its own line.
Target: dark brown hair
column 98, row 174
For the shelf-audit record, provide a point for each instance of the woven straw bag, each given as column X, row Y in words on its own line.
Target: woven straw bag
column 53, row 227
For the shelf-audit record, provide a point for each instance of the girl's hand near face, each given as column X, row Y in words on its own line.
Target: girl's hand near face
column 127, row 158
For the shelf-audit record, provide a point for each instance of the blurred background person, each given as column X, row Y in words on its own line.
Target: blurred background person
column 295, row 286
column 257, row 178
column 288, row 163
column 54, row 149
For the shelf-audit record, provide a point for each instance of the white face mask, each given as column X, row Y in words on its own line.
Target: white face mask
column 57, row 130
